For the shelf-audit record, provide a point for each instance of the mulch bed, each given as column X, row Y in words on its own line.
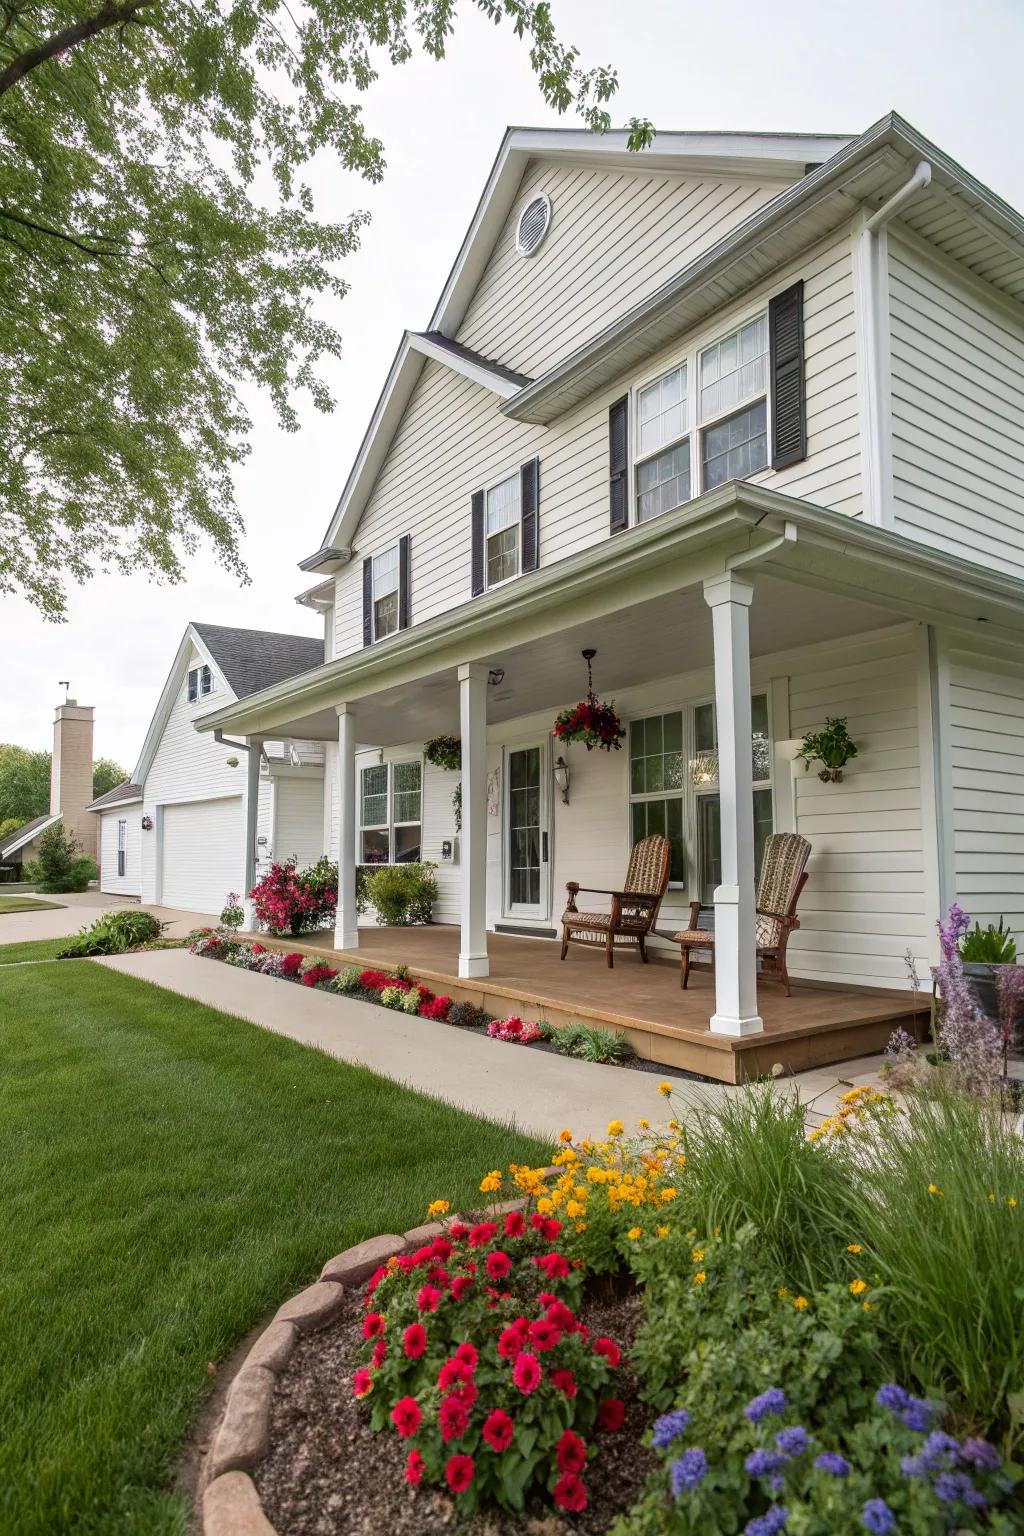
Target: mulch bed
column 328, row 1474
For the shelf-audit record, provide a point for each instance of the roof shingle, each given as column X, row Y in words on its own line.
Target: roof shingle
column 252, row 659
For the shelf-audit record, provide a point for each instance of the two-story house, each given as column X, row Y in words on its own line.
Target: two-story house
column 743, row 415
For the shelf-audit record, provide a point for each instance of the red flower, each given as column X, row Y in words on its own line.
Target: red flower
column 554, row 1265
column 414, row 1340
column 406, row 1416
column 526, row 1373
column 611, row 1414
column 459, row 1473
column 452, row 1372
column 373, row 1325
column 466, row 1392
column 453, row 1417
column 570, row 1453
column 498, row 1430
column 428, row 1299
column 438, row 1276
column 569, row 1493
column 442, row 1249
column 290, row 964
column 498, row 1264
column 317, row 973
column 467, row 1353
column 544, row 1335
column 362, row 1383
column 461, row 1286
column 483, row 1234
column 512, row 1339
column 515, row 1226
column 565, row 1382
column 562, row 1316
column 609, row 1349
column 458, row 1231
column 375, row 1280
column 414, row 1468
column 551, row 1229
column 380, row 1353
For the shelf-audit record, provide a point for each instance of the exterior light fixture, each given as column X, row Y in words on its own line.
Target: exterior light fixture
column 704, row 770
column 496, row 676
column 561, row 774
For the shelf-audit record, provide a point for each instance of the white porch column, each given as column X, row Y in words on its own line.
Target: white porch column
column 346, row 926
column 729, row 599
column 473, row 852
column 253, row 759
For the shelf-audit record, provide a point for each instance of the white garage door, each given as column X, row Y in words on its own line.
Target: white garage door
column 202, row 853
column 300, row 820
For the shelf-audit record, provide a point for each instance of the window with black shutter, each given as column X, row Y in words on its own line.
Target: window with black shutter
column 529, row 477
column 789, row 406
column 618, row 465
column 404, row 589
column 477, row 523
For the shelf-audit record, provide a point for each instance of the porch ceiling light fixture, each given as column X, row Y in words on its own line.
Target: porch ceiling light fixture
column 496, row 676
column 704, row 770
column 561, row 775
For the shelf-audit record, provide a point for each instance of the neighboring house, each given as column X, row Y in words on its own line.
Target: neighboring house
column 173, row 835
column 745, row 414
column 70, row 791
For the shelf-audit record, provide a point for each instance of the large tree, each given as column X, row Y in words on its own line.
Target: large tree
column 160, row 247
column 25, row 782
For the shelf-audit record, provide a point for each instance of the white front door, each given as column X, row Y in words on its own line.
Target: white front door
column 527, row 832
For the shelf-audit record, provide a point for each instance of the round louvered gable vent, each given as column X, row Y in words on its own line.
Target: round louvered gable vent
column 533, row 224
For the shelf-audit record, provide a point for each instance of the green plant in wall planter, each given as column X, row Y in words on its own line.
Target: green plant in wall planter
column 984, row 951
column 832, row 747
column 446, row 752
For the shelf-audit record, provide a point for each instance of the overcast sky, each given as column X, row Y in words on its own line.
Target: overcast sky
column 952, row 69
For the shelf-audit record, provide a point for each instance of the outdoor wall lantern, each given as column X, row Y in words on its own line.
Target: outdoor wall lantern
column 561, row 773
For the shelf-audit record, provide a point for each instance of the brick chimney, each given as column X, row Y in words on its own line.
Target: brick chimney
column 71, row 773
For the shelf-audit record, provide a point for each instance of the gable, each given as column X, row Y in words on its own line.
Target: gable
column 615, row 235
column 185, row 765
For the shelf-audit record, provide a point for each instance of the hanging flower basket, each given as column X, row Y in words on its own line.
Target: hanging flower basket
column 591, row 721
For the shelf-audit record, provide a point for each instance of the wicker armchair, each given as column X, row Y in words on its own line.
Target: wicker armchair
column 634, row 910
column 783, row 877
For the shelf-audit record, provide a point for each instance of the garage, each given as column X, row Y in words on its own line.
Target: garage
column 203, row 853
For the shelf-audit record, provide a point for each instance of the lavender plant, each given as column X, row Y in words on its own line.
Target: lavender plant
column 970, row 1039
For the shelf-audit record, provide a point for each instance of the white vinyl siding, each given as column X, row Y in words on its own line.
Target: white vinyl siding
column 957, row 364
column 986, row 748
column 453, row 440
column 298, row 818
column 203, row 854
column 615, row 236
column 130, row 883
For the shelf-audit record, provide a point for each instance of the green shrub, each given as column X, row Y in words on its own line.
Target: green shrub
column 62, row 867
column 402, row 894
column 587, row 1043
column 468, row 1016
column 113, row 934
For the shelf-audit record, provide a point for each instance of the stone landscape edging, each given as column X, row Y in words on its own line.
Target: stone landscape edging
column 229, row 1499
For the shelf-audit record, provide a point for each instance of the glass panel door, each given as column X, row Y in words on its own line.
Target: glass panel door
column 526, row 834
column 709, row 839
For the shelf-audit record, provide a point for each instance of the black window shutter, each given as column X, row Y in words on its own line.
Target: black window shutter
column 404, row 595
column 786, row 352
column 530, row 484
column 618, row 465
column 368, row 601
column 477, row 515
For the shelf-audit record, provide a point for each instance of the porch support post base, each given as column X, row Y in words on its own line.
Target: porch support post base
column 346, row 929
column 473, row 867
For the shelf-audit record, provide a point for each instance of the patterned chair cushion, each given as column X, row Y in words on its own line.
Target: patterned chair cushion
column 767, row 931
column 600, row 922
column 785, row 858
column 695, row 938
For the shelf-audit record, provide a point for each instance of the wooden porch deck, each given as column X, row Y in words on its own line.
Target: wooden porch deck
column 818, row 1025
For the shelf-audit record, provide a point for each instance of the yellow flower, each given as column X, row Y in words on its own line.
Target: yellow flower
column 700, row 1277
column 438, row 1208
column 644, row 1125
column 615, row 1128
column 697, row 1255
column 853, row 1248
column 783, row 1291
column 545, row 1206
column 667, row 1194
column 992, row 1199
column 800, row 1302
column 662, row 1231
column 665, row 1089
column 1012, row 1202
column 866, row 1305
column 565, row 1135
column 634, row 1233
column 492, row 1182
column 858, row 1287
column 933, row 1189
column 574, row 1208
column 581, row 1226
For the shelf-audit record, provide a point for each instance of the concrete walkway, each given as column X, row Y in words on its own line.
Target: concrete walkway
column 77, row 909
column 539, row 1091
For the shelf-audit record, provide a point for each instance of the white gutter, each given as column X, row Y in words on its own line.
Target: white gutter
column 870, row 261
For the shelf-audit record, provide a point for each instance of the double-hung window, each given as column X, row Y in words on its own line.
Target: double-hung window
column 385, row 593
column 502, row 524
column 390, row 813
column 734, row 405
column 663, row 447
column 709, row 819
column 657, row 784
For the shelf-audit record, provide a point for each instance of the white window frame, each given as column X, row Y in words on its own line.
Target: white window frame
column 122, row 847
column 695, row 426
column 757, row 690
column 644, row 797
column 199, row 682
column 392, row 549
column 516, row 476
column 391, row 825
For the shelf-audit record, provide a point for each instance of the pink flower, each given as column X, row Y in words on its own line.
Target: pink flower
column 414, row 1468
column 526, row 1373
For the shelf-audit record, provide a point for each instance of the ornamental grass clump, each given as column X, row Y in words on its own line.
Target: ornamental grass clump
column 476, row 1357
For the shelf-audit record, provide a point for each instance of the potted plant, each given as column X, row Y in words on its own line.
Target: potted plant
column 446, row 752
column 591, row 721
column 831, row 747
column 983, row 952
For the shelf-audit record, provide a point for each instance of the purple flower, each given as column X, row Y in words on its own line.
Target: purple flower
column 772, row 1401
column 981, row 1455
column 669, row 1427
column 793, row 1440
column 688, row 1471
column 892, row 1396
column 877, row 1517
column 939, row 1450
column 913, row 1466
column 768, row 1524
column 831, row 1461
column 762, row 1463
column 957, row 1488
column 918, row 1415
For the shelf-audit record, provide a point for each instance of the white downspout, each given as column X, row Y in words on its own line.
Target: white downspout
column 870, row 267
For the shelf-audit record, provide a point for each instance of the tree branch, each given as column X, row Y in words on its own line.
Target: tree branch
column 109, row 15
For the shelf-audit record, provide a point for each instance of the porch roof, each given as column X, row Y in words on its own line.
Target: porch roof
column 852, row 576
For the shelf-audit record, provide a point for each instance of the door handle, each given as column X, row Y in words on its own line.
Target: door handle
column 543, row 847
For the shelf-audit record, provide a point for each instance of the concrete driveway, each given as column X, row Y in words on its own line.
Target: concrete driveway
column 77, row 909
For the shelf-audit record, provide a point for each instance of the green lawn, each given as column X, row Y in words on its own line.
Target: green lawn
column 31, row 949
column 170, row 1175
column 27, row 904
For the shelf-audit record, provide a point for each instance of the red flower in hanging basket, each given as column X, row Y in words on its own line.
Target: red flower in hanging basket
column 593, row 723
